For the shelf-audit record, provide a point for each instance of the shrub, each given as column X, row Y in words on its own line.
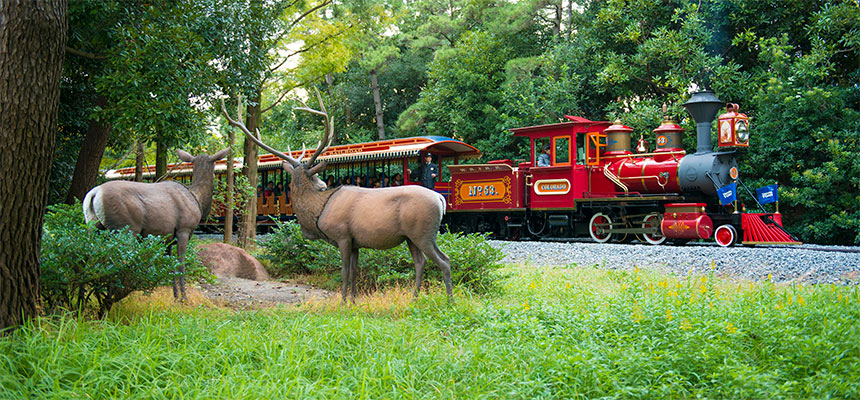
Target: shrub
column 473, row 260
column 89, row 270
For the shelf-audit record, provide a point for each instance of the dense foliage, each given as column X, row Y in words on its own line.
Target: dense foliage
column 473, row 261
column 88, row 270
column 473, row 69
column 565, row 332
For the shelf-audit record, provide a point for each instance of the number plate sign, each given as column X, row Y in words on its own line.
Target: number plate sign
column 480, row 191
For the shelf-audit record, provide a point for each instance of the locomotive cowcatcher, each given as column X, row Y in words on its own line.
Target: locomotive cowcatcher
column 597, row 186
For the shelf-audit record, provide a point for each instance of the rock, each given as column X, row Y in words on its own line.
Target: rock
column 225, row 260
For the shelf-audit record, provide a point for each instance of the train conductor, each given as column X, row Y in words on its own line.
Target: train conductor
column 426, row 174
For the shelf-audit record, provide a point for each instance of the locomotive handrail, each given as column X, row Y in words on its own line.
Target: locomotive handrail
column 614, row 178
column 646, row 155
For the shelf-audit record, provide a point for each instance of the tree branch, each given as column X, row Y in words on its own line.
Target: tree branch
column 301, row 17
column 84, row 54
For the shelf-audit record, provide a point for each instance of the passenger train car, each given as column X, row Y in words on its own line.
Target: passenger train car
column 597, row 185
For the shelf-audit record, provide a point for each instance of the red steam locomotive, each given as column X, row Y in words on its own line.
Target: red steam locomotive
column 597, row 186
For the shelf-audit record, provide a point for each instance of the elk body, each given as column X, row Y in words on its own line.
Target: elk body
column 352, row 218
column 168, row 209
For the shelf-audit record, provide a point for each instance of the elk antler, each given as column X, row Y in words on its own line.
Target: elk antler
column 328, row 133
column 256, row 139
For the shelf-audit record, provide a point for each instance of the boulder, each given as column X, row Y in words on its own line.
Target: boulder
column 225, row 260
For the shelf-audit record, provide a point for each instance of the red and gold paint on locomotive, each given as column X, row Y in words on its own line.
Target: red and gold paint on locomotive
column 596, row 185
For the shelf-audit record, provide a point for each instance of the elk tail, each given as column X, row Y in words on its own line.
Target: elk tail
column 442, row 202
column 93, row 210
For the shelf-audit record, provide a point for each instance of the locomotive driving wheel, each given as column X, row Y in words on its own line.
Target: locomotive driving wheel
column 598, row 227
column 650, row 222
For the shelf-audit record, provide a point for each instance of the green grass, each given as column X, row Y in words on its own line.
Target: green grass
column 562, row 332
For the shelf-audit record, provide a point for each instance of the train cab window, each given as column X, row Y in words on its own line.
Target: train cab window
column 446, row 173
column 562, row 150
column 538, row 150
column 580, row 149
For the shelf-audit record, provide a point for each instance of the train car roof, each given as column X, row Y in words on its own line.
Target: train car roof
column 576, row 125
column 390, row 149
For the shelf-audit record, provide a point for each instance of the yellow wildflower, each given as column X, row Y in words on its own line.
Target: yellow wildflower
column 532, row 285
column 668, row 314
column 770, row 277
column 567, row 285
column 730, row 328
column 685, row 325
column 704, row 279
column 702, row 289
column 526, row 306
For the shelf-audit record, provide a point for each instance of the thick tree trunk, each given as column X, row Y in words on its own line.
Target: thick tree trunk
column 138, row 162
column 89, row 158
column 248, row 225
column 32, row 39
column 377, row 103
column 160, row 161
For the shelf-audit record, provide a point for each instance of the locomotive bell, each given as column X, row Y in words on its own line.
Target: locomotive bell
column 703, row 107
column 733, row 128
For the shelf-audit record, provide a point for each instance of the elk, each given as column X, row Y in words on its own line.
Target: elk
column 168, row 208
column 351, row 218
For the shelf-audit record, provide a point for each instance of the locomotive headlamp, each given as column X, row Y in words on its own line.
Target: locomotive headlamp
column 733, row 128
column 743, row 132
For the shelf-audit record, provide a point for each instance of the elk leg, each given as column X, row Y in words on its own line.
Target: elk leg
column 346, row 259
column 181, row 245
column 443, row 261
column 419, row 260
column 353, row 272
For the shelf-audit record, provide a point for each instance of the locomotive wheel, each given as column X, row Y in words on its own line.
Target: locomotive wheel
column 726, row 235
column 650, row 221
column 598, row 227
column 536, row 225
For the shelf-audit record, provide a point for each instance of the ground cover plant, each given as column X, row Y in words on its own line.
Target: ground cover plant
column 474, row 262
column 549, row 332
column 88, row 270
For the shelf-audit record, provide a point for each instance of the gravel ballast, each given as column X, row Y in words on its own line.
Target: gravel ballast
column 807, row 263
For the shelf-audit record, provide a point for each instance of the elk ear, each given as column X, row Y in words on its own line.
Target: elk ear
column 287, row 167
column 317, row 168
column 219, row 155
column 184, row 156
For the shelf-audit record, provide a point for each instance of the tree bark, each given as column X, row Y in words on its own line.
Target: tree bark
column 160, row 161
column 377, row 103
column 231, row 180
column 248, row 225
column 138, row 162
column 90, row 157
column 32, row 40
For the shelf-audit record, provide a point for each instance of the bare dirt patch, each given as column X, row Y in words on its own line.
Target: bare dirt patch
column 238, row 293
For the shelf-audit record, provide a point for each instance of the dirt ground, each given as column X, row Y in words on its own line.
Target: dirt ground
column 241, row 293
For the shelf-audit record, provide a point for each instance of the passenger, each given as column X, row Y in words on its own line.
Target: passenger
column 397, row 180
column 270, row 189
column 544, row 160
column 386, row 182
column 330, row 181
column 279, row 188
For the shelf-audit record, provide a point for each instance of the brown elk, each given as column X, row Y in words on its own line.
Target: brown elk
column 164, row 209
column 352, row 218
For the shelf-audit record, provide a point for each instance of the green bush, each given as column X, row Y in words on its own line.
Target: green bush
column 473, row 260
column 89, row 270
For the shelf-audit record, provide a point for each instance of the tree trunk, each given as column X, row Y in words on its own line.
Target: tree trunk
column 377, row 103
column 248, row 225
column 231, row 180
column 90, row 157
column 32, row 39
column 138, row 162
column 160, row 161
column 556, row 23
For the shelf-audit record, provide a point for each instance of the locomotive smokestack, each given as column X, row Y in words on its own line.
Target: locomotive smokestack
column 703, row 107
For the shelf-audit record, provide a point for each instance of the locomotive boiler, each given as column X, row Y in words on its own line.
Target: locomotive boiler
column 598, row 186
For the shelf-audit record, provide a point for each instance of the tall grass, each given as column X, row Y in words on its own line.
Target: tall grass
column 561, row 332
